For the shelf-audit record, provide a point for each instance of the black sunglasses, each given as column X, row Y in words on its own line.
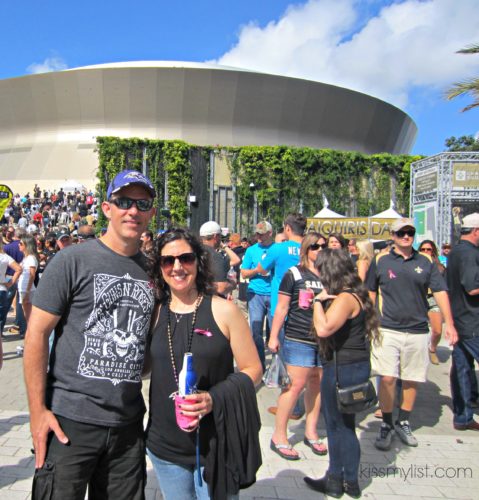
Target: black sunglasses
column 125, row 203
column 402, row 233
column 167, row 261
column 317, row 246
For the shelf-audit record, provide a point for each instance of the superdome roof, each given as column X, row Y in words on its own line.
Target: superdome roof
column 161, row 64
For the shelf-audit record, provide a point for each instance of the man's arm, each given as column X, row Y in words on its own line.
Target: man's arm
column 442, row 301
column 35, row 361
column 234, row 259
column 473, row 292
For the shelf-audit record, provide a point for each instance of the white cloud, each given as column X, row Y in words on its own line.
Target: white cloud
column 53, row 63
column 405, row 45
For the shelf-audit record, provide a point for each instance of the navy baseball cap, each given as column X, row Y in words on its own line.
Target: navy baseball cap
column 129, row 178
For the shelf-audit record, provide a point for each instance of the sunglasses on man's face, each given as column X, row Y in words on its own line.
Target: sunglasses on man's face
column 185, row 259
column 408, row 232
column 317, row 246
column 125, row 203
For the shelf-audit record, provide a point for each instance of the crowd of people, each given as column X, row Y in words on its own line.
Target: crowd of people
column 130, row 304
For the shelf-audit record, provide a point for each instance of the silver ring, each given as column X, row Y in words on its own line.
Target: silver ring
column 200, row 416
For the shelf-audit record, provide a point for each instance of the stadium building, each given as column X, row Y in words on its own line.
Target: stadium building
column 49, row 122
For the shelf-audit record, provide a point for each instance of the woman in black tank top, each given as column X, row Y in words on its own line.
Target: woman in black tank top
column 190, row 319
column 347, row 327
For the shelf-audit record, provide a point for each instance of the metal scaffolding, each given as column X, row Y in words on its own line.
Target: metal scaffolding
column 439, row 179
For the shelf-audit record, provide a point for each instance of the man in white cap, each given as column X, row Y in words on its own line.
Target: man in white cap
column 463, row 283
column 259, row 287
column 221, row 257
column 402, row 277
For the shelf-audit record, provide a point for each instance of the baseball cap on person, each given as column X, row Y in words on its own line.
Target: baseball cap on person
column 471, row 221
column 398, row 224
column 63, row 233
column 210, row 228
column 129, row 178
column 263, row 227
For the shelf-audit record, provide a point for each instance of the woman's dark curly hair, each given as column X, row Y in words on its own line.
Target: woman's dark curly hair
column 337, row 273
column 204, row 276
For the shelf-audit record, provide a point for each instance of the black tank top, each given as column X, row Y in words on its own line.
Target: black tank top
column 213, row 362
column 350, row 341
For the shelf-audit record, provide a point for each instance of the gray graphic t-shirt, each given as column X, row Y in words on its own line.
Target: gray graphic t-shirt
column 105, row 303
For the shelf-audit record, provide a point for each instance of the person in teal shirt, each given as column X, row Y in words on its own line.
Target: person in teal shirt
column 259, row 287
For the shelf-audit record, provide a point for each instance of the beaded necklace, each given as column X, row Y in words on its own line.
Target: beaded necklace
column 190, row 336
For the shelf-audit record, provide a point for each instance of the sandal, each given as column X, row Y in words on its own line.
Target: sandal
column 317, row 446
column 278, row 447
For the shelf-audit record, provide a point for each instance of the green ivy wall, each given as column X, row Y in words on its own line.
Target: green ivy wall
column 285, row 178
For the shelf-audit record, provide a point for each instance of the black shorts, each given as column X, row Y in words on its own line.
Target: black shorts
column 109, row 460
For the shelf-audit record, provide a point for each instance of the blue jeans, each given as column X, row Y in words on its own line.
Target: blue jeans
column 180, row 482
column 258, row 309
column 462, row 382
column 343, row 444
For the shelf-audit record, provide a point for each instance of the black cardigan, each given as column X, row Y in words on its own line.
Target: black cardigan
column 235, row 455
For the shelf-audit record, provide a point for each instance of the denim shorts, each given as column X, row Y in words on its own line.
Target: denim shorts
column 300, row 354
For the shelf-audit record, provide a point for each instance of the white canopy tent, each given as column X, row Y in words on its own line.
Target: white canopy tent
column 326, row 213
column 390, row 213
column 71, row 185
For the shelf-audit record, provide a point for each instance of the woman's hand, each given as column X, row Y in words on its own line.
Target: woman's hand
column 201, row 405
column 273, row 344
column 323, row 295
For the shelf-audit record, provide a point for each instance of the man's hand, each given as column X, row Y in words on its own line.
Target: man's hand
column 451, row 335
column 41, row 424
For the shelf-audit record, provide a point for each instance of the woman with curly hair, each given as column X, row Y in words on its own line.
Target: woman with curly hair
column 191, row 319
column 346, row 323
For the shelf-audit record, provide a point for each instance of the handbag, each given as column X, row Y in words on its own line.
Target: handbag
column 276, row 376
column 354, row 398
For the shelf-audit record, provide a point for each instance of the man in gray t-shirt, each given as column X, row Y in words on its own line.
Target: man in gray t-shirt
column 86, row 414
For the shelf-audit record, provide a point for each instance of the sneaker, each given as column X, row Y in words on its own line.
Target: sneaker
column 403, row 430
column 385, row 436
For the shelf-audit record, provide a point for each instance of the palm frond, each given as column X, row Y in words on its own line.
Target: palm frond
column 470, row 49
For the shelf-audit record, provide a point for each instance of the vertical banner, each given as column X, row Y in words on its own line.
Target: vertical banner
column 6, row 196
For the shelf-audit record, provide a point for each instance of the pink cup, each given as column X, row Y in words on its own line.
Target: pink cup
column 183, row 421
column 305, row 298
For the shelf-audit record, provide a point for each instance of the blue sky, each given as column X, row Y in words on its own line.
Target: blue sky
column 400, row 51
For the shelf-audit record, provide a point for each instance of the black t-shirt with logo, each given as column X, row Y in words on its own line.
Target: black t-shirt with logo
column 462, row 277
column 402, row 286
column 299, row 321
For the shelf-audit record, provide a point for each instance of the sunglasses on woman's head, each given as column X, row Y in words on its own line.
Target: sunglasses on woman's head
column 125, row 203
column 402, row 233
column 317, row 246
column 185, row 259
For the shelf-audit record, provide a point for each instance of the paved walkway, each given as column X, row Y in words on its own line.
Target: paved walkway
column 444, row 465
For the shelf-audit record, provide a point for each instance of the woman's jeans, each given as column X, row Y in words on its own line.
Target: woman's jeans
column 343, row 444
column 180, row 482
column 3, row 309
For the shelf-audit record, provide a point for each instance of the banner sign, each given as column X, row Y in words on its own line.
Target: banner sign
column 426, row 181
column 6, row 196
column 353, row 227
column 465, row 175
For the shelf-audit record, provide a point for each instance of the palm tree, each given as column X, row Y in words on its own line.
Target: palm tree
column 470, row 86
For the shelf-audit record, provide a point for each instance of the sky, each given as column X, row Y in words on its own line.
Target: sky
column 401, row 51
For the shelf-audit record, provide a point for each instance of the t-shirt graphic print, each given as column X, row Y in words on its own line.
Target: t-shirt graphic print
column 116, row 329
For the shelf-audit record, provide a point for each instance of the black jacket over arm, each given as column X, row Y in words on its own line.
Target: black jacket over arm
column 235, row 454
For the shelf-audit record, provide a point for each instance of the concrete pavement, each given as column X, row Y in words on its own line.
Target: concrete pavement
column 444, row 465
